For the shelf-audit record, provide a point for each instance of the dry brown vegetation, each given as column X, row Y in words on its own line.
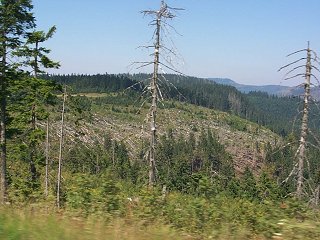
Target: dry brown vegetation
column 245, row 141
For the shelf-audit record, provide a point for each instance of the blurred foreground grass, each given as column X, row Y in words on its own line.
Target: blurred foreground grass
column 25, row 224
column 29, row 224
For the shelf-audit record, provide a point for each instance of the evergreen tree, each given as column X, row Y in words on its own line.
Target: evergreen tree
column 249, row 185
column 34, row 93
column 36, row 55
column 15, row 20
column 28, row 104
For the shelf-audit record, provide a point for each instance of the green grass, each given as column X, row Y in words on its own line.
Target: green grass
column 26, row 224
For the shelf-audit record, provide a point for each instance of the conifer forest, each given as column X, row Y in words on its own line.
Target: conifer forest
column 151, row 155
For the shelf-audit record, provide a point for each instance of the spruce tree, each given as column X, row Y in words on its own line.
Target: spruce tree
column 36, row 55
column 15, row 20
column 39, row 91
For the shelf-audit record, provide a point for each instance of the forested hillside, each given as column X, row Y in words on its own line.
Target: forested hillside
column 207, row 159
column 99, row 83
column 280, row 114
column 148, row 156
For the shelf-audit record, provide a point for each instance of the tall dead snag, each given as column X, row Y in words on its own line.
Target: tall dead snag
column 46, row 189
column 160, row 16
column 300, row 156
column 61, row 146
column 304, row 126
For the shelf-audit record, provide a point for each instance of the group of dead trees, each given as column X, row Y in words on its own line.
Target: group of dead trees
column 300, row 160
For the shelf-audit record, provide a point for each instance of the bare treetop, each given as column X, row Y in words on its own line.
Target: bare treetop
column 311, row 56
column 165, row 12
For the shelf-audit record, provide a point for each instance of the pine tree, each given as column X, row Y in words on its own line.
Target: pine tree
column 36, row 58
column 15, row 20
column 36, row 55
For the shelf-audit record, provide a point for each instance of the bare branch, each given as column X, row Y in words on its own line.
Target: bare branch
column 171, row 84
column 315, row 138
column 302, row 50
column 284, row 146
column 314, row 67
column 144, row 65
column 314, row 146
column 314, row 77
column 151, row 46
column 295, row 68
column 315, row 60
column 176, row 9
column 176, row 71
column 291, row 63
column 130, row 87
column 297, row 75
column 173, row 28
column 293, row 171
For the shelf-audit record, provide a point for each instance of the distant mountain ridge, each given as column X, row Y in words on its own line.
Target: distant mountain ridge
column 270, row 89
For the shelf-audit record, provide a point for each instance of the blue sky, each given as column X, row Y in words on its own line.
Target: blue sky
column 245, row 40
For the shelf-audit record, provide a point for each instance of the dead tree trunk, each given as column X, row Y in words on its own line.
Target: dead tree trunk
column 153, row 109
column 33, row 169
column 46, row 191
column 159, row 16
column 113, row 152
column 61, row 147
column 304, row 127
column 298, row 169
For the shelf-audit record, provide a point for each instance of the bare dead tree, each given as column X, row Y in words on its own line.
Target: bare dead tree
column 61, row 146
column 300, row 155
column 47, row 159
column 160, row 16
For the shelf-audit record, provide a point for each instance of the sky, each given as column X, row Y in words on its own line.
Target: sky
column 245, row 40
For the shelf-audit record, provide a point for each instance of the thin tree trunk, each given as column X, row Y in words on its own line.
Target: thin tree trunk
column 317, row 195
column 304, row 127
column 60, row 148
column 113, row 152
column 33, row 169
column 97, row 164
column 36, row 67
column 3, row 137
column 46, row 191
column 153, row 110
column 162, row 13
column 3, row 146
